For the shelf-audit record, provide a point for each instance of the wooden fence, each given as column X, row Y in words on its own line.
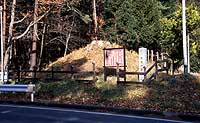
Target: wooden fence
column 159, row 65
column 50, row 75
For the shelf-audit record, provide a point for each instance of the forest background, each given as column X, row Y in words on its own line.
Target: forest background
column 37, row 32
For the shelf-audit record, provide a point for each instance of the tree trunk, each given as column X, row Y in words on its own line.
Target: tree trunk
column 33, row 57
column 68, row 37
column 94, row 15
column 10, row 35
column 66, row 44
column 42, row 44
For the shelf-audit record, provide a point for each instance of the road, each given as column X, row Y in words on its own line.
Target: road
column 28, row 114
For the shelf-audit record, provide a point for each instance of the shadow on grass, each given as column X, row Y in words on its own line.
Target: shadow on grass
column 179, row 93
column 172, row 94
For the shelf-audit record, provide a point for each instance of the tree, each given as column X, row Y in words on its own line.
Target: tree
column 94, row 15
column 172, row 30
column 132, row 23
column 15, row 31
column 33, row 55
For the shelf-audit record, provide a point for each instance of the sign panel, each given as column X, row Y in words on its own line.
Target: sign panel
column 142, row 62
column 113, row 56
column 5, row 78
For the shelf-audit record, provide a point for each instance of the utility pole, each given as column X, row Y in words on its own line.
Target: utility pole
column 184, row 38
column 2, row 61
column 4, row 22
column 188, row 46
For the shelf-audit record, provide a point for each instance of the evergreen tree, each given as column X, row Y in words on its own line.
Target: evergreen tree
column 134, row 23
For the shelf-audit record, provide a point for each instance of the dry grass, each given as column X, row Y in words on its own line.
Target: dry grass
column 82, row 59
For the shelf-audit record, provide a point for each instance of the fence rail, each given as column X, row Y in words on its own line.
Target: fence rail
column 157, row 63
column 50, row 75
column 33, row 75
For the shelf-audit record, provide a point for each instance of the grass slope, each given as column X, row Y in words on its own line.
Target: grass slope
column 180, row 93
column 82, row 59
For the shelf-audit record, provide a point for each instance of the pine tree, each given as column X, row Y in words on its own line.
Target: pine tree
column 134, row 23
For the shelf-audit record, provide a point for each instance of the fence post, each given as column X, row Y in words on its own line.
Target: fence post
column 162, row 56
column 34, row 74
column 52, row 73
column 167, row 62
column 172, row 68
column 152, row 56
column 145, row 74
column 19, row 73
column 117, row 72
column 94, row 72
column 71, row 70
column 148, row 55
column 157, row 54
column 156, row 66
column 5, row 74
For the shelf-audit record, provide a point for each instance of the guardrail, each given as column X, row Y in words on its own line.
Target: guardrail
column 28, row 88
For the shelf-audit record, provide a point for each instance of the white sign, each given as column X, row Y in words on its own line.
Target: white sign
column 5, row 78
column 142, row 62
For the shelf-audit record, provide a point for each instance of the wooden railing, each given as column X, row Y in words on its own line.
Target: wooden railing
column 159, row 65
column 35, row 75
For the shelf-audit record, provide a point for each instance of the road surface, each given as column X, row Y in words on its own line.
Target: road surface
column 28, row 114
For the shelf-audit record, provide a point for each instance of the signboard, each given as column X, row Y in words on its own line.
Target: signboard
column 142, row 62
column 114, row 56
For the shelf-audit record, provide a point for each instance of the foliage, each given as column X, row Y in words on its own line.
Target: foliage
column 172, row 32
column 131, row 23
column 55, row 89
column 170, row 7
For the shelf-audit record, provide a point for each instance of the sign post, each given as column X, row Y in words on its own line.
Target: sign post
column 112, row 57
column 142, row 62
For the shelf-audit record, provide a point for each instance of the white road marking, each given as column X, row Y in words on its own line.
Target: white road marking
column 73, row 118
column 4, row 112
column 98, row 113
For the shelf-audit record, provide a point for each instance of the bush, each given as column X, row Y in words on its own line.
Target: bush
column 195, row 63
column 56, row 88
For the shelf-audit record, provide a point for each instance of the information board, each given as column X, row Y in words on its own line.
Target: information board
column 114, row 56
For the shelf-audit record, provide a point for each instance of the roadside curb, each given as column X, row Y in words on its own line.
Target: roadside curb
column 126, row 111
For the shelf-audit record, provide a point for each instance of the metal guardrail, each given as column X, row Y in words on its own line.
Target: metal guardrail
column 28, row 88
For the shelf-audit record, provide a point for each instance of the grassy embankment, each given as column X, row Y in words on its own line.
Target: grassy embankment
column 174, row 94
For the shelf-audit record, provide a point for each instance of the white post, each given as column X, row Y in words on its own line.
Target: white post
column 148, row 55
column 2, row 66
column 32, row 96
column 188, row 45
column 142, row 62
column 152, row 56
column 184, row 38
column 157, row 54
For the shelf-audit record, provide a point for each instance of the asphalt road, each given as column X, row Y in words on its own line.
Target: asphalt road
column 27, row 114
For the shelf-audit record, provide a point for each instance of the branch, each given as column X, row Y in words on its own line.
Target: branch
column 19, row 21
column 55, row 39
column 30, row 25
